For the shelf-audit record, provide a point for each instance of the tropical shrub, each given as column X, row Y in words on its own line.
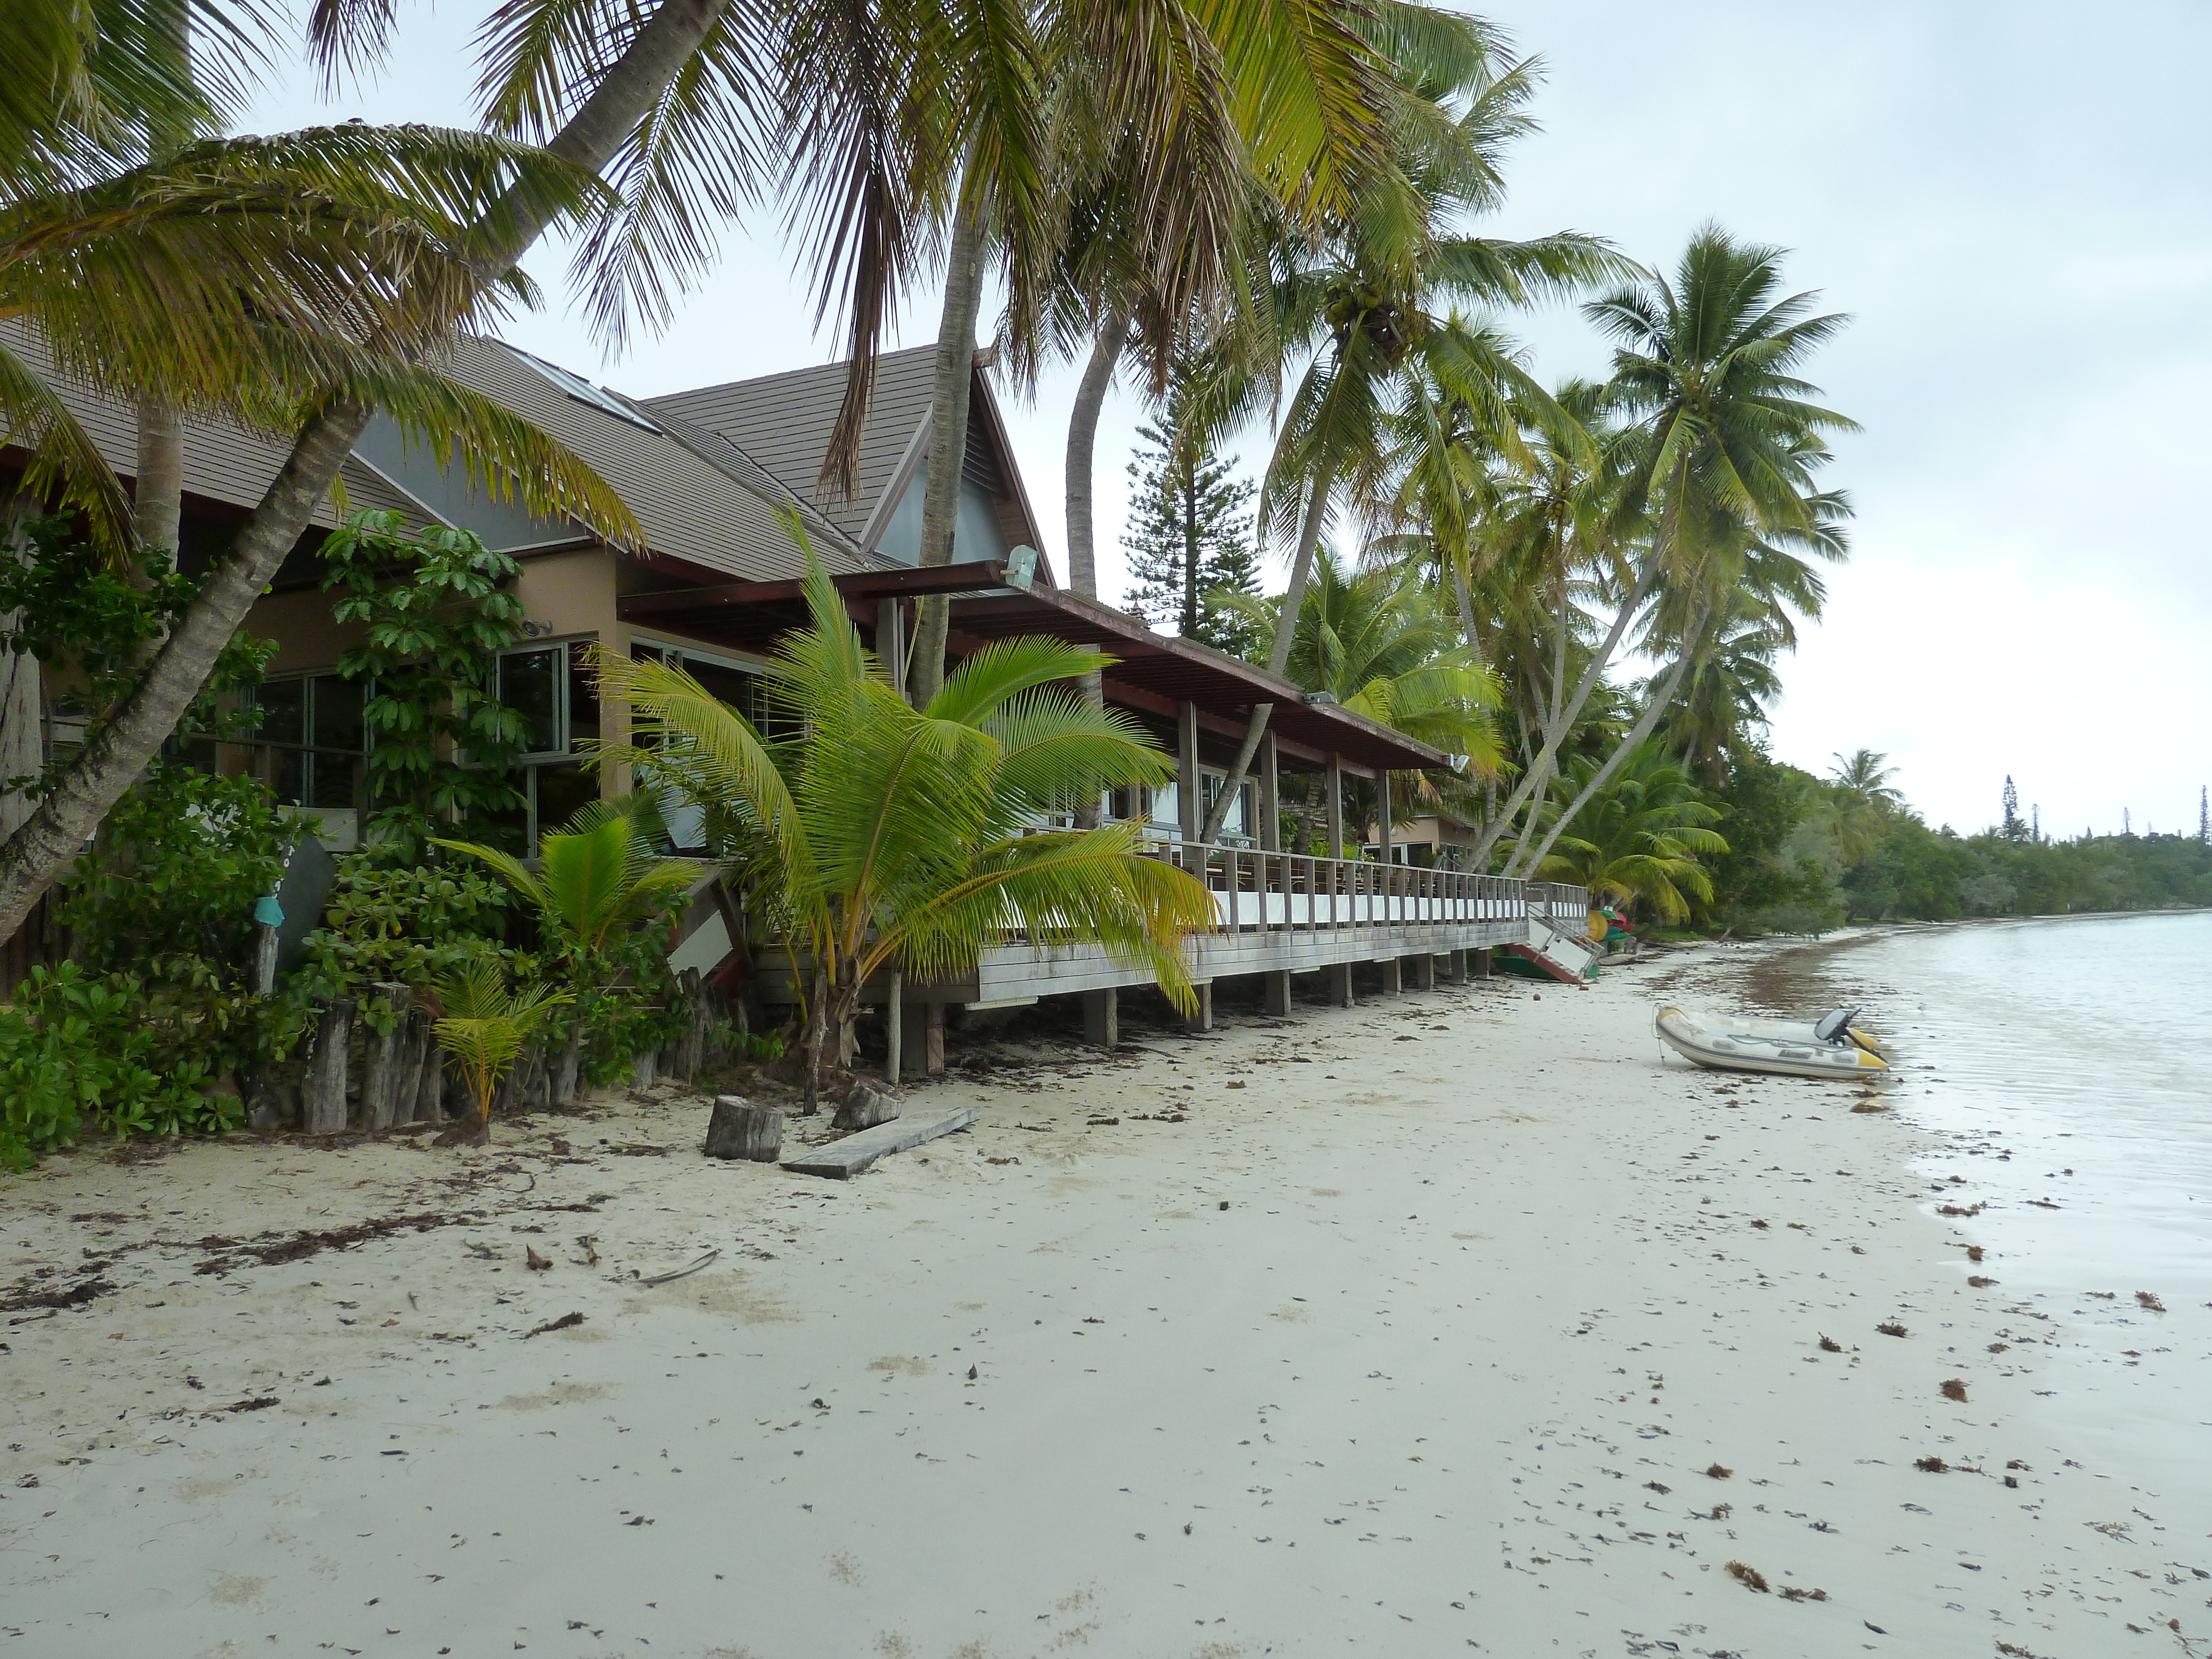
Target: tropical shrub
column 442, row 746
column 1640, row 836
column 78, row 1056
column 599, row 887
column 485, row 1024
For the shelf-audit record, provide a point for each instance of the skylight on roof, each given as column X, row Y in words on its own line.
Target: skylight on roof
column 585, row 392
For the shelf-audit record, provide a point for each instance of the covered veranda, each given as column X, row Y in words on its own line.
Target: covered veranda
column 1278, row 911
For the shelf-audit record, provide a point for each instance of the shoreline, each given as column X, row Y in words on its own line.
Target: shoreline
column 1421, row 1340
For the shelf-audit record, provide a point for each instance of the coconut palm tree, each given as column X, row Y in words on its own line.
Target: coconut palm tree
column 1724, row 695
column 903, row 838
column 485, row 1024
column 1145, row 146
column 1521, row 538
column 1723, row 436
column 1374, row 300
column 1862, row 774
column 1639, row 835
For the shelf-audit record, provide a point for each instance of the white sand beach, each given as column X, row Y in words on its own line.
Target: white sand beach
column 1457, row 1322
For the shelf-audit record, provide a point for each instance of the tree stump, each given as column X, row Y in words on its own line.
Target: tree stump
column 740, row 1129
column 323, row 1090
column 380, row 1076
column 863, row 1108
column 568, row 1072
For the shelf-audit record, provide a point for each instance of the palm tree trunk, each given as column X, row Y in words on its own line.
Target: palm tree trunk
column 1568, row 716
column 1658, row 705
column 1466, row 594
column 1082, row 525
column 818, row 1033
column 158, row 486
column 45, row 843
column 949, row 396
column 1552, row 694
column 1082, row 453
column 1279, row 653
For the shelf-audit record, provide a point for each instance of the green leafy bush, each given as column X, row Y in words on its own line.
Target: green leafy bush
column 78, row 1056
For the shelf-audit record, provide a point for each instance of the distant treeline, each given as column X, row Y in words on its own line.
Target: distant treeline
column 1808, row 853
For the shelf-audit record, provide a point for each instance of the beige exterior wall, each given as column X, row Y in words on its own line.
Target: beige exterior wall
column 300, row 624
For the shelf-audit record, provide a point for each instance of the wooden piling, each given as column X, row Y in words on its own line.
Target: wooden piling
column 323, row 1090
column 380, row 1076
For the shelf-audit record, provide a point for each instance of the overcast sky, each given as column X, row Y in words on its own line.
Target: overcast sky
column 2012, row 202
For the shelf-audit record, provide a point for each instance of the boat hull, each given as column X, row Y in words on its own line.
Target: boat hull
column 1787, row 1052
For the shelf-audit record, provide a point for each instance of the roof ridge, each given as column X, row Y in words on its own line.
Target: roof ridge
column 783, row 374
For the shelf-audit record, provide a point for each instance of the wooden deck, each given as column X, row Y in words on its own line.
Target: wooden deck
column 1273, row 913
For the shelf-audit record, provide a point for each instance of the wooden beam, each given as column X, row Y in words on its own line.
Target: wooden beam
column 1383, row 813
column 841, row 1160
column 1333, row 793
column 1271, row 796
column 1187, row 792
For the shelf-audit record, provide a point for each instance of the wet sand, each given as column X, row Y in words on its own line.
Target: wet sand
column 1468, row 1322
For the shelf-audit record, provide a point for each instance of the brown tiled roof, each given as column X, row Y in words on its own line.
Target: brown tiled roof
column 223, row 464
column 783, row 422
column 696, row 499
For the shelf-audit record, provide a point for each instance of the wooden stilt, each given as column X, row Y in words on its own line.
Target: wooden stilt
column 1201, row 1019
column 1279, row 992
column 934, row 1040
column 1340, row 984
column 1102, row 1018
column 1393, row 979
column 894, row 1024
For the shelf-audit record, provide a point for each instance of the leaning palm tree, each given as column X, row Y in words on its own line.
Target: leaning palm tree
column 1640, row 836
column 485, row 1025
column 1376, row 301
column 1721, row 702
column 598, row 879
column 1724, row 439
column 906, row 839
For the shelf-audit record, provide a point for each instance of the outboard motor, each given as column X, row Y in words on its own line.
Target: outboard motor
column 1835, row 1026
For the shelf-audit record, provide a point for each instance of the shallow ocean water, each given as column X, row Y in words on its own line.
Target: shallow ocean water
column 2067, row 1064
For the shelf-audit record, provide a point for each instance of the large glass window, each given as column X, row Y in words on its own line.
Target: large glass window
column 550, row 687
column 738, row 685
column 310, row 744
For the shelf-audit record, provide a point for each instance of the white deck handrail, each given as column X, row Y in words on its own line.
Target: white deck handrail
column 1258, row 890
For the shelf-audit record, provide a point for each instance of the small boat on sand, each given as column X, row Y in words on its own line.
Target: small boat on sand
column 1832, row 1047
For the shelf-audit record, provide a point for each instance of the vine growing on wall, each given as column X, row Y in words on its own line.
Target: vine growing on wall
column 442, row 746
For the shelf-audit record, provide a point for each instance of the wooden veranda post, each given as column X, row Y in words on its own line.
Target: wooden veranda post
column 1189, row 801
column 1340, row 974
column 1271, row 862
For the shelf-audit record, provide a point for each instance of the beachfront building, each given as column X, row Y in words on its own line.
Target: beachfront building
column 709, row 476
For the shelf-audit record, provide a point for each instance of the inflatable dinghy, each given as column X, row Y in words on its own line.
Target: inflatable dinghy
column 1830, row 1047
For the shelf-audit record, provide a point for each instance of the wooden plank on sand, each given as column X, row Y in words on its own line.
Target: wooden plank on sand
column 840, row 1160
